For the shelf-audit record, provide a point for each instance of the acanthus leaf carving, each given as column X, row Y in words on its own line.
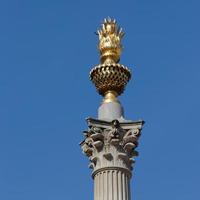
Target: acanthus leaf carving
column 111, row 146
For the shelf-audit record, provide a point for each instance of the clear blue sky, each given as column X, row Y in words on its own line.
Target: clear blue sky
column 46, row 51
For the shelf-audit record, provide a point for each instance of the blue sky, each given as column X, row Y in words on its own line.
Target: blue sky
column 47, row 49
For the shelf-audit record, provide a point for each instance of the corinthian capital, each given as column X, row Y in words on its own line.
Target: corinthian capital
column 111, row 144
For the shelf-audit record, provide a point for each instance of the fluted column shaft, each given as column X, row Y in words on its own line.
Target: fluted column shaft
column 112, row 185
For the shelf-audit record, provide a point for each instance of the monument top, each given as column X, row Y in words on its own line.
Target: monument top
column 110, row 77
column 110, row 36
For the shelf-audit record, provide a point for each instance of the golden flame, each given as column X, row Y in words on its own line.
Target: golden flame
column 110, row 36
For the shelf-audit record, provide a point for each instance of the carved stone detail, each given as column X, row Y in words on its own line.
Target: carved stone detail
column 111, row 144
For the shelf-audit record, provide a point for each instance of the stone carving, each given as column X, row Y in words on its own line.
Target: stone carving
column 111, row 144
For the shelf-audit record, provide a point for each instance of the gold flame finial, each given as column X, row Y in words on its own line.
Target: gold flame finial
column 110, row 36
column 110, row 78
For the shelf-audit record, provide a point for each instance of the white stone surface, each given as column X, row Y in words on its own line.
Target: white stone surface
column 111, row 185
column 111, row 111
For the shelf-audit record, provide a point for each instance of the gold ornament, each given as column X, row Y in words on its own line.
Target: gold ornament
column 110, row 77
column 110, row 36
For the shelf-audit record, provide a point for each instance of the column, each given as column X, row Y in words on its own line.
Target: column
column 111, row 185
column 110, row 147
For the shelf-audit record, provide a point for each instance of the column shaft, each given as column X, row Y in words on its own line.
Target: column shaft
column 111, row 185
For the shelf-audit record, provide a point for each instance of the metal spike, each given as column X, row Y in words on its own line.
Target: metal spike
column 118, row 30
column 103, row 27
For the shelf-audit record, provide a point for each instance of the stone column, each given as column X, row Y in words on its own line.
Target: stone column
column 112, row 184
column 110, row 147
